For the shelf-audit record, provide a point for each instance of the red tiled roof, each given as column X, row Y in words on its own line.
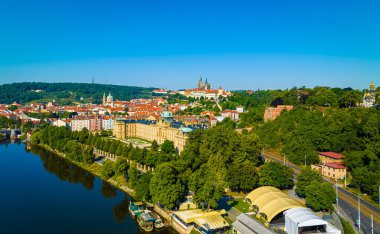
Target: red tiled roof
column 229, row 111
column 335, row 165
column 332, row 155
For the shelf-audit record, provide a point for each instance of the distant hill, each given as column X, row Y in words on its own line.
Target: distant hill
column 67, row 93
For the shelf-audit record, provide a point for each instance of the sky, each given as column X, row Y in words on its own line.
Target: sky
column 252, row 44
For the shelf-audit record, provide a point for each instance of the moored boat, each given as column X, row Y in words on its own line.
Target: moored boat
column 136, row 208
column 158, row 223
column 146, row 221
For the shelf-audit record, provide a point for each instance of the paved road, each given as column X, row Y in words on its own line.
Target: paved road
column 348, row 202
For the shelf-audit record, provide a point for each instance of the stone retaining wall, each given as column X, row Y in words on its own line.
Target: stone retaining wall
column 113, row 157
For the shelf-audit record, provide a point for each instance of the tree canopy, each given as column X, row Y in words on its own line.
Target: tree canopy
column 320, row 196
column 276, row 175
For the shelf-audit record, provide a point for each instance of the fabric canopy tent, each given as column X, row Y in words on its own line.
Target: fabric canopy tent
column 297, row 218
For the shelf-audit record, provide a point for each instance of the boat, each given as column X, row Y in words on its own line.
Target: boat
column 146, row 221
column 158, row 223
column 136, row 208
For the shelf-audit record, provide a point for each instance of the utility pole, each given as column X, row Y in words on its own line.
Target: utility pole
column 359, row 212
column 345, row 180
column 337, row 197
column 372, row 223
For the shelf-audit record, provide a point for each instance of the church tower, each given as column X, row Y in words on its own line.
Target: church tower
column 104, row 98
column 372, row 87
column 200, row 83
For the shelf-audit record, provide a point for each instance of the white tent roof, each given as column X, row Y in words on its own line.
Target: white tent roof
column 296, row 218
column 304, row 217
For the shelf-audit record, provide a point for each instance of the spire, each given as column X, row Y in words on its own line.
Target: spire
column 372, row 86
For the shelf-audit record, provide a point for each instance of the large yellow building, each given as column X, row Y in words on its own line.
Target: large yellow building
column 150, row 130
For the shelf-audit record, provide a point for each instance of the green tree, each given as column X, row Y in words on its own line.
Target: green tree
column 113, row 146
column 121, row 166
column 119, row 150
column 107, row 145
column 305, row 178
column 206, row 191
column 242, row 177
column 83, row 135
column 322, row 96
column 168, row 147
column 349, row 99
column 165, row 187
column 89, row 139
column 12, row 108
column 88, row 155
column 371, row 128
column 133, row 175
column 154, row 146
column 35, row 139
column 142, row 191
column 27, row 127
column 108, row 169
column 276, row 175
column 125, row 151
column 320, row 196
column 250, row 148
column 73, row 150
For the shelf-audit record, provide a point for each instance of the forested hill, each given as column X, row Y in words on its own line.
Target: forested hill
column 302, row 133
column 67, row 93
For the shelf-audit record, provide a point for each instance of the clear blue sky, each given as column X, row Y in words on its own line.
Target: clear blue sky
column 162, row 43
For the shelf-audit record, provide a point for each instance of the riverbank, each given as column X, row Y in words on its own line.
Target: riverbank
column 2, row 137
column 94, row 169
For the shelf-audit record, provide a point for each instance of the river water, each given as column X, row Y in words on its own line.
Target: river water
column 43, row 193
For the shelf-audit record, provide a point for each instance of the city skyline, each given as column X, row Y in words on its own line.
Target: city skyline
column 247, row 45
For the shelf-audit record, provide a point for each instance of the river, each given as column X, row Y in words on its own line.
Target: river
column 43, row 193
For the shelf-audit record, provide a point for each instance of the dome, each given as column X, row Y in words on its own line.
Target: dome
column 109, row 98
column 166, row 114
column 186, row 130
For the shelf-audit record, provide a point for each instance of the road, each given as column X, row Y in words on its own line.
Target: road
column 348, row 202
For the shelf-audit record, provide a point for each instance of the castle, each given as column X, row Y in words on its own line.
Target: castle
column 164, row 129
column 205, row 90
column 369, row 99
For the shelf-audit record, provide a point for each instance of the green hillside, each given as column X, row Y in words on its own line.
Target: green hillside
column 67, row 93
